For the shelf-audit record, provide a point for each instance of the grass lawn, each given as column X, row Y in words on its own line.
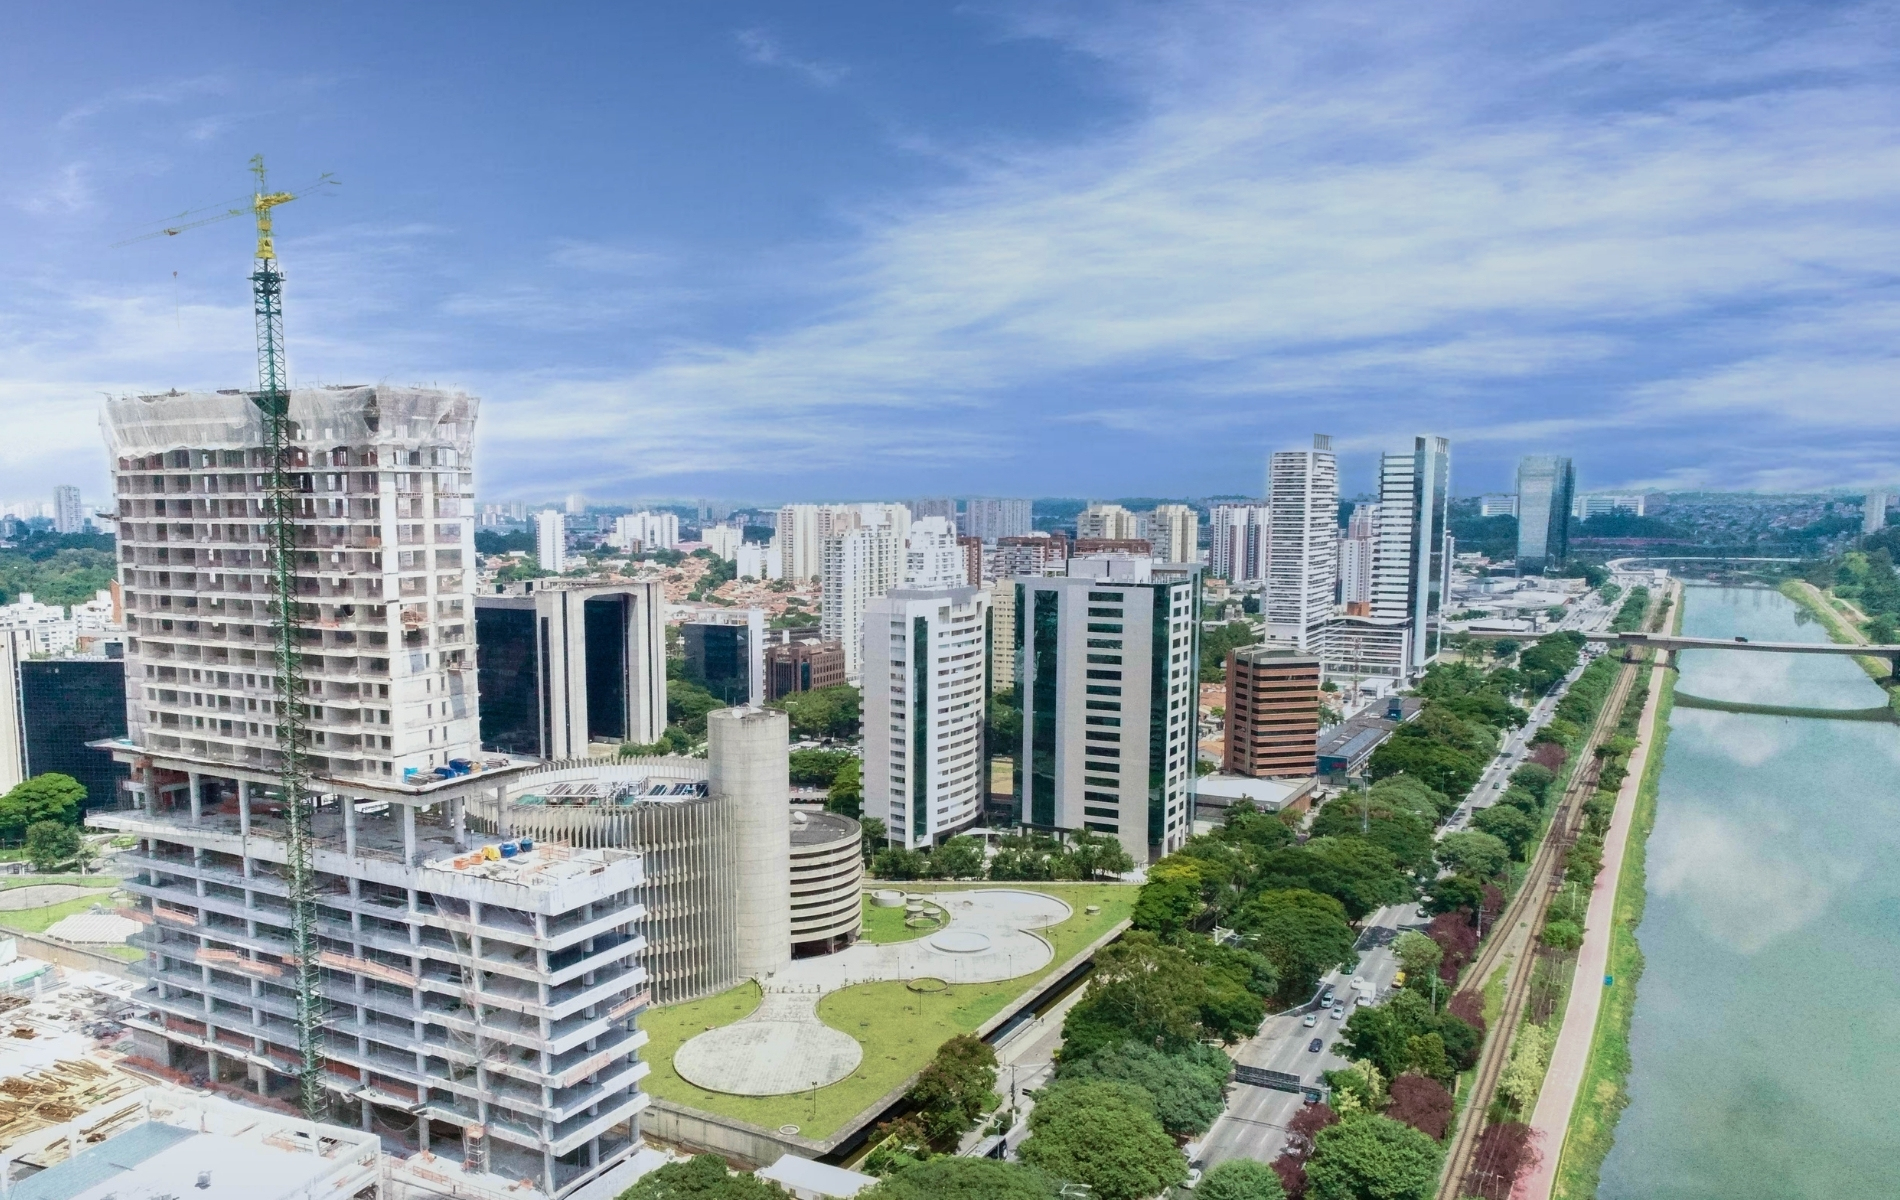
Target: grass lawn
column 887, row 925
column 95, row 881
column 36, row 920
column 128, row 953
column 898, row 1028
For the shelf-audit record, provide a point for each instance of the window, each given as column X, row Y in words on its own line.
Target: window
column 1105, row 674
column 1092, row 811
column 1100, row 781
column 1102, row 689
column 1104, row 612
column 1111, row 721
column 1105, row 643
column 1115, row 597
column 1103, row 627
column 1114, row 659
column 1102, row 735
column 1105, row 705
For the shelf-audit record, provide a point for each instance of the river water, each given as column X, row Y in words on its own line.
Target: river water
column 1766, row 1037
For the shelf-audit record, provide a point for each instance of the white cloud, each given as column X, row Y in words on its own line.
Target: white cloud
column 763, row 48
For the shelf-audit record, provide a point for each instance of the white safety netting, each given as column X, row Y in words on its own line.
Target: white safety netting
column 371, row 414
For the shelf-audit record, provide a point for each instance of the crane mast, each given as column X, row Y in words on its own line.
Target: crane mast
column 284, row 485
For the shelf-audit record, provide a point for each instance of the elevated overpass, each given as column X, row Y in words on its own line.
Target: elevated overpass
column 1675, row 643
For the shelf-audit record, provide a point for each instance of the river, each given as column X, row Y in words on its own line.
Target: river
column 1765, row 1042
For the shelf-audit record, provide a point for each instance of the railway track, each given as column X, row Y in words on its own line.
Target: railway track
column 1515, row 927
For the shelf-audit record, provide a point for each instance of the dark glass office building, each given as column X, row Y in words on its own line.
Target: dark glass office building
column 65, row 703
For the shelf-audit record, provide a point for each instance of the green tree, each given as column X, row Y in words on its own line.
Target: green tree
column 1093, row 855
column 48, row 797
column 953, row 1178
column 953, row 1089
column 1142, row 991
column 1240, row 1179
column 958, row 858
column 818, row 768
column 1562, row 935
column 702, row 1177
column 1404, row 835
column 830, row 712
column 1165, row 906
column 1106, row 1135
column 1216, row 642
column 1473, row 853
column 1304, row 934
column 687, row 704
column 1514, row 828
column 1418, row 954
column 1880, row 630
column 50, row 844
column 1372, row 1158
column 896, row 862
column 873, row 836
column 846, row 794
column 1186, row 1086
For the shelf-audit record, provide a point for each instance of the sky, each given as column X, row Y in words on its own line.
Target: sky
column 765, row 252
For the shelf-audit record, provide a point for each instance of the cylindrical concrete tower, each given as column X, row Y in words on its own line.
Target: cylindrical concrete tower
column 749, row 761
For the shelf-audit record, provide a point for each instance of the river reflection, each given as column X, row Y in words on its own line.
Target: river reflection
column 1766, row 1038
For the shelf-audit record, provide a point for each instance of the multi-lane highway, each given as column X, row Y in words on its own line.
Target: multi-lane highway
column 1254, row 1123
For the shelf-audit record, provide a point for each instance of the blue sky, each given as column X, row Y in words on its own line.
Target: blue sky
column 843, row 250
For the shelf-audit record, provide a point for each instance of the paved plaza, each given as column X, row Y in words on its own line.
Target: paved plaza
column 783, row 1047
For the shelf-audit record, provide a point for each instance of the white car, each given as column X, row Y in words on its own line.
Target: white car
column 1310, row 1020
column 1339, row 1014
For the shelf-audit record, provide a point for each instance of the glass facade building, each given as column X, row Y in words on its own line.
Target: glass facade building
column 1545, row 484
column 65, row 703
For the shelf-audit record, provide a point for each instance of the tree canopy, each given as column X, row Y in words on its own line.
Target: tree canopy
column 1186, row 1086
column 1304, row 934
column 1141, row 990
column 953, row 1089
column 702, row 1177
column 1240, row 1179
column 949, row 1177
column 1372, row 1158
column 828, row 712
column 48, row 797
column 1469, row 852
column 1104, row 1134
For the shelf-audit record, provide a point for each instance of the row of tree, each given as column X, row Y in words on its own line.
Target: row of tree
column 1029, row 857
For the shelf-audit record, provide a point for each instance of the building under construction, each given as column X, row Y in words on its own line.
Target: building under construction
column 477, row 1001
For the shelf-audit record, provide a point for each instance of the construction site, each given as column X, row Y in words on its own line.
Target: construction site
column 325, row 932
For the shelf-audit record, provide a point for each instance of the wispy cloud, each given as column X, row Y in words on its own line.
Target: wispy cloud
column 766, row 50
column 173, row 92
column 67, row 191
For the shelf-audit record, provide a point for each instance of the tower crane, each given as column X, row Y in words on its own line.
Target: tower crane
column 284, row 486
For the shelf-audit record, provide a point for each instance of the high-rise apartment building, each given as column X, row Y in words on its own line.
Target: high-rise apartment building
column 1272, row 711
column 576, row 504
column 1175, row 531
column 1002, row 637
column 723, row 540
column 1109, row 665
column 991, row 520
column 1545, row 487
column 69, row 515
column 860, row 565
column 1412, row 565
column 972, row 551
column 1497, row 504
column 648, row 531
column 1302, row 547
column 565, row 664
column 1873, row 513
column 1357, row 550
column 1108, row 522
column 925, row 694
column 932, row 558
column 1237, row 540
column 1603, row 503
column 1030, row 554
column 800, row 535
column 550, row 541
column 936, row 506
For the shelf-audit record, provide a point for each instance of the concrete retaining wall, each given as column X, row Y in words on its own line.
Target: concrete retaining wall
column 63, row 954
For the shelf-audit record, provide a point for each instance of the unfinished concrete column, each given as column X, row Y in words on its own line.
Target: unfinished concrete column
column 349, row 827
column 408, row 835
column 503, row 829
column 458, row 821
column 195, row 784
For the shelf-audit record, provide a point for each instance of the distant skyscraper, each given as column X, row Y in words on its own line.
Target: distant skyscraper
column 69, row 516
column 648, row 530
column 576, row 504
column 992, row 519
column 1545, row 483
column 860, row 564
column 925, row 771
column 1109, row 522
column 932, row 558
column 943, row 506
column 1302, row 550
column 1873, row 516
column 800, row 541
column 550, row 540
column 1237, row 536
column 1175, row 530
column 1357, row 551
column 1411, row 566
column 1497, row 504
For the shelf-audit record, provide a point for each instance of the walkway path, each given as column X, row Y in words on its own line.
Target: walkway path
column 783, row 1047
column 1570, row 1058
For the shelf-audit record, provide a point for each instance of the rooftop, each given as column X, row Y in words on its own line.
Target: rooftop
column 818, row 828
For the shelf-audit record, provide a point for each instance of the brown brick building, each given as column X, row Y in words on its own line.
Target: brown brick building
column 802, row 667
column 1272, row 712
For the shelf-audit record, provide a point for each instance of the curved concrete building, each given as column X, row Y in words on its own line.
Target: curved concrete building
column 827, row 878
column 748, row 753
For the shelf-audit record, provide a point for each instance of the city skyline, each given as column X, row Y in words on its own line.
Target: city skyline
column 829, row 262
